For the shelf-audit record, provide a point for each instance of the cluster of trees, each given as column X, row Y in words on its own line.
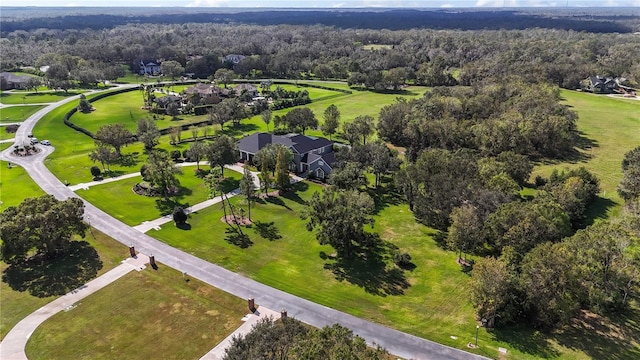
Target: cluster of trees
column 297, row 120
column 289, row 338
column 40, row 226
column 342, row 211
column 283, row 98
column 629, row 188
column 423, row 56
column 494, row 117
column 598, row 269
column 543, row 274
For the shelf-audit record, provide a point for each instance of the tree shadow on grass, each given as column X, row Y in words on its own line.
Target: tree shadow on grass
column 235, row 238
column 527, row 341
column 276, row 200
column 597, row 336
column 580, row 153
column 240, row 129
column 43, row 277
column 603, row 337
column 128, row 160
column 292, row 194
column 383, row 197
column 597, row 210
column 267, row 230
column 370, row 270
column 230, row 184
column 183, row 226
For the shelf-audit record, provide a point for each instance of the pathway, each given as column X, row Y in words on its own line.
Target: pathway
column 13, row 345
column 218, row 352
column 396, row 342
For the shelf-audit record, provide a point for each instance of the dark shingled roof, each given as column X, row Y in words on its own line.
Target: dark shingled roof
column 299, row 143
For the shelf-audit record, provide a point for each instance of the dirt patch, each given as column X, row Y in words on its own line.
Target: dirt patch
column 229, row 219
column 269, row 194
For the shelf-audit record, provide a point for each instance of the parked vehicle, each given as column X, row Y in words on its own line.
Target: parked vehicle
column 45, row 142
column 30, row 134
column 34, row 141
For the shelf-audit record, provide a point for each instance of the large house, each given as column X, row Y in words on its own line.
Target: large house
column 311, row 155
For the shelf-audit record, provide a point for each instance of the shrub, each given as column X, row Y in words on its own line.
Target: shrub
column 402, row 260
column 179, row 216
column 11, row 128
column 95, row 171
column 185, row 155
column 175, row 155
column 144, row 173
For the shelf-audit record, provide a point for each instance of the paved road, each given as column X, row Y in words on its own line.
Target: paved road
column 396, row 342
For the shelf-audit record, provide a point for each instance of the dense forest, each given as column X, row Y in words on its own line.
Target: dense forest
column 427, row 57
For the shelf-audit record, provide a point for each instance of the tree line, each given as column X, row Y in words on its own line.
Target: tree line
column 420, row 56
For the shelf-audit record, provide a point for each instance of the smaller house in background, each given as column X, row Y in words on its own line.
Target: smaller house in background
column 9, row 81
column 311, row 155
column 164, row 101
column 250, row 89
column 602, row 85
column 233, row 58
column 148, row 68
column 204, row 94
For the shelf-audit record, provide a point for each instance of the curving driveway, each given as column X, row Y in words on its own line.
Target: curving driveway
column 396, row 342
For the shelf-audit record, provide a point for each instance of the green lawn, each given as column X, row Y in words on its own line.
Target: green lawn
column 26, row 291
column 148, row 208
column 144, row 315
column 429, row 301
column 4, row 135
column 609, row 128
column 17, row 113
column 36, row 98
column 15, row 185
column 433, row 293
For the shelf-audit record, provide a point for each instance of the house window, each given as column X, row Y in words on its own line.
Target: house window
column 321, row 163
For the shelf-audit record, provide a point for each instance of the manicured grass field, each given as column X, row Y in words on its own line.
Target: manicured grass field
column 17, row 304
column 5, row 135
column 17, row 113
column 149, row 208
column 15, row 185
column 144, row 315
column 430, row 301
column 36, row 98
column 609, row 128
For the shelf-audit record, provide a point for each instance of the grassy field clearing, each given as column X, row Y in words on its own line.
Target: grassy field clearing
column 15, row 185
column 147, row 314
column 24, row 291
column 609, row 128
column 17, row 113
column 37, row 98
column 147, row 208
column 430, row 301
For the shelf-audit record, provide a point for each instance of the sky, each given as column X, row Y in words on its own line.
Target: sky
column 327, row 3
